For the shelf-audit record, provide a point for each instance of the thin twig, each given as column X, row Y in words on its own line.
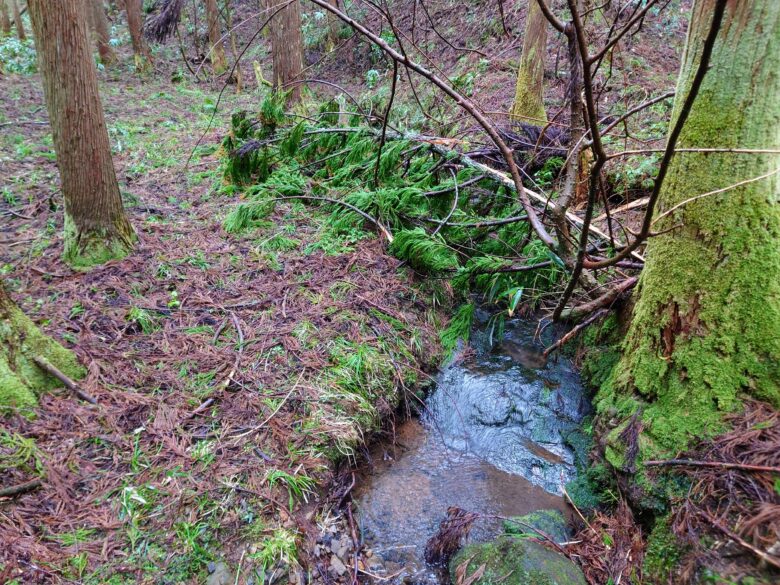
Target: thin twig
column 385, row 119
column 273, row 414
column 713, row 464
column 715, row 192
column 47, row 367
column 351, row 207
column 20, row 488
column 454, row 204
column 767, row 558
column 574, row 331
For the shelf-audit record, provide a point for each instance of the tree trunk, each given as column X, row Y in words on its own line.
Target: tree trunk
column 334, row 26
column 96, row 228
column 529, row 92
column 237, row 76
column 706, row 325
column 218, row 61
column 18, row 22
column 5, row 19
column 141, row 52
column 99, row 23
column 21, row 341
column 287, row 49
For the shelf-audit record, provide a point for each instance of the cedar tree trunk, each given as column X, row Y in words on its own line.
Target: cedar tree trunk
column 99, row 23
column 5, row 19
column 96, row 228
column 287, row 49
column 218, row 61
column 18, row 22
column 706, row 324
column 529, row 92
column 141, row 52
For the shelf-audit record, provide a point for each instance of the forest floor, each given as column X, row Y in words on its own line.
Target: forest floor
column 232, row 373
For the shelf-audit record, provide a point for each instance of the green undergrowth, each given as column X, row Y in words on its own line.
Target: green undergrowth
column 405, row 185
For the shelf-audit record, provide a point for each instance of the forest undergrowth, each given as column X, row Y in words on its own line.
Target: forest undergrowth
column 232, row 370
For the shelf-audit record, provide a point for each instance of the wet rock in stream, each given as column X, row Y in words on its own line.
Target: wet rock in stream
column 496, row 438
column 514, row 561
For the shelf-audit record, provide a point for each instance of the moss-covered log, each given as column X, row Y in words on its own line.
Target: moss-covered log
column 706, row 324
column 21, row 380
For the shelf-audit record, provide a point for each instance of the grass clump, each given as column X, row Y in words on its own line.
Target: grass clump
column 459, row 327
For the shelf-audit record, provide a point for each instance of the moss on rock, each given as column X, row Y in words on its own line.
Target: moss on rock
column 551, row 522
column 516, row 561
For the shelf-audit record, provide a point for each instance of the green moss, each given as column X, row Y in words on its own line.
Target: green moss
column 601, row 345
column 551, row 522
column 87, row 248
column 514, row 561
column 662, row 554
column 705, row 330
column 21, row 380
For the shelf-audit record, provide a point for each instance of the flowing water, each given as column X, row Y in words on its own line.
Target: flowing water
column 496, row 438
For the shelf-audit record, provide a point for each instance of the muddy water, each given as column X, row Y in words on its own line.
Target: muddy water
column 495, row 439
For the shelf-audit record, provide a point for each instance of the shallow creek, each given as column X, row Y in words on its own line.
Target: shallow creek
column 494, row 439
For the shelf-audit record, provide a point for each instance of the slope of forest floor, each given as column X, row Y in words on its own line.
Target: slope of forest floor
column 231, row 372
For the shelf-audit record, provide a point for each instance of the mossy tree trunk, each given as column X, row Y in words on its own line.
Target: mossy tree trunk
column 96, row 227
column 287, row 50
column 18, row 22
column 218, row 61
column 20, row 342
column 135, row 21
column 98, row 22
column 706, row 325
column 528, row 105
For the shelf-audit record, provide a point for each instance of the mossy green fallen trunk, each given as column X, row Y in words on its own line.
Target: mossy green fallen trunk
column 21, row 381
column 706, row 325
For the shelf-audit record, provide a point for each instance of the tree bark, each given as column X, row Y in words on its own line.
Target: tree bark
column 141, row 52
column 99, row 23
column 96, row 227
column 20, row 342
column 5, row 19
column 528, row 105
column 18, row 22
column 237, row 76
column 334, row 26
column 218, row 61
column 706, row 325
column 287, row 50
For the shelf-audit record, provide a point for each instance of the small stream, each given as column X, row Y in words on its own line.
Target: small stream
column 496, row 438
